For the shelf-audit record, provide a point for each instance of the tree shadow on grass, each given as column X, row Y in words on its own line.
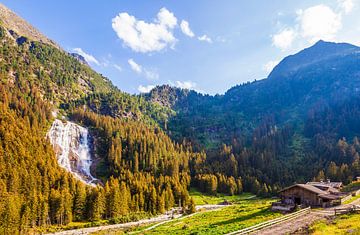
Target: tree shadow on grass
column 243, row 218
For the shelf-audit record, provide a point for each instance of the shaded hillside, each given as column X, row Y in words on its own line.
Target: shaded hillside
column 297, row 124
column 322, row 75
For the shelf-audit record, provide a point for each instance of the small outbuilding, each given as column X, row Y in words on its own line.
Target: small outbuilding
column 314, row 194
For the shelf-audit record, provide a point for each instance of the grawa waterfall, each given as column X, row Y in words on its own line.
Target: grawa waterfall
column 71, row 144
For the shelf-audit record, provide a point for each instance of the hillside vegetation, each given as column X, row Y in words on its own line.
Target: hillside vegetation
column 300, row 123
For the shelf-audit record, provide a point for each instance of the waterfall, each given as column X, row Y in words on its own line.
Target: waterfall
column 71, row 144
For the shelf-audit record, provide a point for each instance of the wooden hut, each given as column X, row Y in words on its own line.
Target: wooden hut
column 310, row 195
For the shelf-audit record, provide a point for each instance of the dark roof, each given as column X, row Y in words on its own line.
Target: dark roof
column 327, row 184
column 307, row 187
column 333, row 196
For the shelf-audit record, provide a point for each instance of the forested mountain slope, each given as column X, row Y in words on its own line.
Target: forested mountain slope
column 142, row 170
column 147, row 150
column 288, row 127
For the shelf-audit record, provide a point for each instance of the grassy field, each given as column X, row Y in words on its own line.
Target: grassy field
column 351, row 199
column 243, row 214
column 204, row 199
column 345, row 224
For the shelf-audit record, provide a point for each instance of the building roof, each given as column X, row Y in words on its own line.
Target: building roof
column 333, row 196
column 307, row 187
column 328, row 184
column 324, row 187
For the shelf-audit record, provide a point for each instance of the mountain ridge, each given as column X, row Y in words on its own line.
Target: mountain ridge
column 14, row 22
column 316, row 53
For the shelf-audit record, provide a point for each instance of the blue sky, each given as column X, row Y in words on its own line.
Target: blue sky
column 208, row 46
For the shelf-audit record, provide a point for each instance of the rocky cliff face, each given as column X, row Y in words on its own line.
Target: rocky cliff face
column 19, row 26
column 72, row 146
column 80, row 58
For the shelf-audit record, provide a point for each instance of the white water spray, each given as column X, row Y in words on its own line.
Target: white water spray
column 71, row 145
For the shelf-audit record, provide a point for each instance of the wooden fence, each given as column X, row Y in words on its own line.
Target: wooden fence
column 271, row 222
column 347, row 210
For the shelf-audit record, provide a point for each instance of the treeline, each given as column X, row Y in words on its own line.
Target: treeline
column 218, row 183
column 29, row 172
column 143, row 157
column 130, row 145
column 344, row 162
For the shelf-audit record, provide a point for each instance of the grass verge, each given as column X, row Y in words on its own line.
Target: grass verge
column 344, row 224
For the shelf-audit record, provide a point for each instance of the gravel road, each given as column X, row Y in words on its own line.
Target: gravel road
column 300, row 224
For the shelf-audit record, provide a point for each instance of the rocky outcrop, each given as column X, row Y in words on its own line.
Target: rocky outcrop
column 20, row 28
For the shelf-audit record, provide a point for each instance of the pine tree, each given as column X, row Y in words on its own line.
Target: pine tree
column 79, row 202
column 192, row 206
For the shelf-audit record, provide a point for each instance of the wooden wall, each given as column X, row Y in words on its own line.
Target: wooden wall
column 307, row 197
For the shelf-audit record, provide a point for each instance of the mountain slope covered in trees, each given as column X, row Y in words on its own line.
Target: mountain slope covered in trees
column 142, row 170
column 301, row 122
column 289, row 127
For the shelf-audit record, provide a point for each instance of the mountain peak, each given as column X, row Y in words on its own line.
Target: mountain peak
column 14, row 23
column 320, row 51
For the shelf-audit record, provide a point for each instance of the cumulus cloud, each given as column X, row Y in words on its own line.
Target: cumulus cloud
column 145, row 37
column 269, row 66
column 166, row 18
column 315, row 23
column 346, row 5
column 89, row 58
column 135, row 66
column 319, row 22
column 150, row 74
column 205, row 38
column 185, row 85
column 185, row 28
column 145, row 89
column 284, row 39
column 118, row 67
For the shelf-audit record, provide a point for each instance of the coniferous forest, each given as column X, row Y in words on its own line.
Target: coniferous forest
column 150, row 149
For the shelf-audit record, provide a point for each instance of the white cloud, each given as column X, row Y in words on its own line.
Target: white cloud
column 145, row 89
column 185, row 85
column 135, row 67
column 315, row 23
column 205, row 38
column 284, row 39
column 166, row 18
column 319, row 22
column 150, row 74
column 269, row 66
column 118, row 67
column 89, row 58
column 185, row 28
column 145, row 37
column 346, row 5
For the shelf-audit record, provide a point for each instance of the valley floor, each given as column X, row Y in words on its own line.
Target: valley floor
column 241, row 211
column 244, row 211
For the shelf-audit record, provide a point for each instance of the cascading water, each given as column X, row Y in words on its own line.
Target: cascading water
column 71, row 145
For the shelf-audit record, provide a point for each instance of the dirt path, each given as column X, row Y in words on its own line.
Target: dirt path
column 298, row 225
column 161, row 219
column 84, row 231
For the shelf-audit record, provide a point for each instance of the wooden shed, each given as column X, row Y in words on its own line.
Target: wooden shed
column 302, row 194
column 310, row 195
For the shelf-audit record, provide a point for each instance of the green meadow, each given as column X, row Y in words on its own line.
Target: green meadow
column 345, row 224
